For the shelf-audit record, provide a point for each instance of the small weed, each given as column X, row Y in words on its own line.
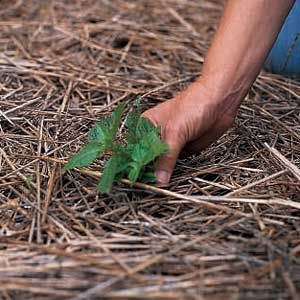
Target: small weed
column 132, row 156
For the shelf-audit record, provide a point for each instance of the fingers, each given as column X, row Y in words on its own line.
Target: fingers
column 166, row 163
column 172, row 137
column 148, row 114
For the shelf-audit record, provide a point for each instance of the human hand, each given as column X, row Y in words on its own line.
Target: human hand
column 202, row 113
column 193, row 119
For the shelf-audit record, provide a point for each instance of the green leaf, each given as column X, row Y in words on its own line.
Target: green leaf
column 85, row 156
column 149, row 148
column 131, row 122
column 113, row 171
column 108, row 176
column 134, row 171
column 135, row 160
column 138, row 127
column 116, row 120
column 104, row 122
column 114, row 168
column 144, row 126
column 106, row 129
column 97, row 134
column 148, row 177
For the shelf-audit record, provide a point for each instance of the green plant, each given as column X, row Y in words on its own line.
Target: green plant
column 132, row 156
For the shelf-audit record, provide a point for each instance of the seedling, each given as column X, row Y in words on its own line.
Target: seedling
column 132, row 156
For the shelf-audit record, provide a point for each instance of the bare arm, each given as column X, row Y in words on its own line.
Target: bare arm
column 246, row 33
column 203, row 112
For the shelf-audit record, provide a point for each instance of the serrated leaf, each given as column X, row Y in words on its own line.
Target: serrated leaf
column 113, row 171
column 116, row 119
column 144, row 126
column 106, row 129
column 97, row 134
column 143, row 146
column 108, row 176
column 134, row 171
column 85, row 156
column 138, row 127
column 148, row 177
column 147, row 150
column 131, row 122
column 104, row 121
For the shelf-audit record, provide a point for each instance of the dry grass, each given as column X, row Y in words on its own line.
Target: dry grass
column 227, row 227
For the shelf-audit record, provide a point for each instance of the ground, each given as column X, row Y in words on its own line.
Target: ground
column 227, row 226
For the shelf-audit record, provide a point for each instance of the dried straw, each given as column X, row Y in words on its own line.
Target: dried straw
column 227, row 227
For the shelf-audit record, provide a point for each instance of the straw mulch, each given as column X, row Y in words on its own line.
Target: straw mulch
column 227, row 227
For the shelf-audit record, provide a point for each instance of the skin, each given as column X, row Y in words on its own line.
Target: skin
column 207, row 108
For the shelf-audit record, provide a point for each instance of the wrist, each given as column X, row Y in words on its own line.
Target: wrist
column 222, row 93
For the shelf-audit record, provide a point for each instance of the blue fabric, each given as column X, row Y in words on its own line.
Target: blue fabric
column 284, row 57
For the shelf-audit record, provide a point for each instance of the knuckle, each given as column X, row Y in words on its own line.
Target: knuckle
column 174, row 132
column 149, row 116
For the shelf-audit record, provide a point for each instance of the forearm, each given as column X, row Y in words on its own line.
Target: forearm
column 246, row 33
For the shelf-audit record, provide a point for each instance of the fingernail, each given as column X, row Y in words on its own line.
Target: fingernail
column 162, row 176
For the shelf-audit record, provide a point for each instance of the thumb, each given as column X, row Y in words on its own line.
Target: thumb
column 166, row 163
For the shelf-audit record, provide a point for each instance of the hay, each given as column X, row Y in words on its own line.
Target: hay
column 227, row 227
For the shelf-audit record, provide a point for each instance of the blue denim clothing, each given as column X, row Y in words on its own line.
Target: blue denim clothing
column 284, row 57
